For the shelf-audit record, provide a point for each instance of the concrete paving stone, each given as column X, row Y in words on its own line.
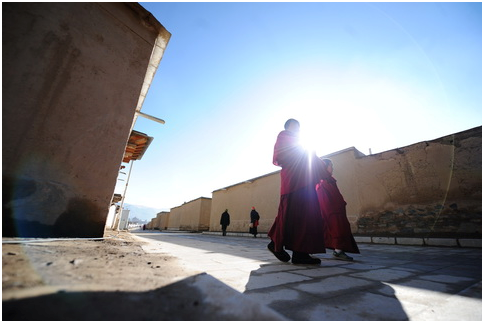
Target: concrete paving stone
column 446, row 311
column 417, row 267
column 474, row 291
column 329, row 256
column 384, row 248
column 202, row 265
column 417, row 288
column 404, row 267
column 360, row 266
column 359, row 306
column 275, row 267
column 330, row 262
column 267, row 258
column 471, row 271
column 384, row 275
column 418, row 302
column 385, row 252
column 441, row 263
column 385, row 262
column 463, row 251
column 332, row 284
column 245, row 269
column 464, row 257
column 221, row 298
column 446, row 279
column 270, row 260
column 421, row 304
column 321, row 272
column 273, row 279
column 236, row 279
column 397, row 249
column 230, row 261
column 414, row 280
column 271, row 295
column 410, row 307
column 295, row 308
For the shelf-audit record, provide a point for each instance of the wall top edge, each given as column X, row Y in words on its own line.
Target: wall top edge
column 358, row 154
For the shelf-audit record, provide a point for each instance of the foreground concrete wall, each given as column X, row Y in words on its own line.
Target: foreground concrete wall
column 72, row 78
column 429, row 189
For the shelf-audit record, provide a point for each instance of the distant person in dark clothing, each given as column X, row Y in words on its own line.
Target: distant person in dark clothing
column 254, row 222
column 337, row 229
column 225, row 221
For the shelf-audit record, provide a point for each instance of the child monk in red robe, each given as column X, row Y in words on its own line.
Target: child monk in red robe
column 337, row 230
column 298, row 224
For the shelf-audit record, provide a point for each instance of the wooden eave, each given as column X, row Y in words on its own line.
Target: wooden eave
column 137, row 145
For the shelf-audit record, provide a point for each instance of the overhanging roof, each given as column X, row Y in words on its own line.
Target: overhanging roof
column 138, row 143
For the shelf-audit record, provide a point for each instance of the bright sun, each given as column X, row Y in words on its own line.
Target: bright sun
column 307, row 141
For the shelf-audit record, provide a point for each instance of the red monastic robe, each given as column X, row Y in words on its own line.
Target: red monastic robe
column 298, row 225
column 337, row 230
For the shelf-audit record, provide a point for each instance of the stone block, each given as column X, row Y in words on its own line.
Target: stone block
column 441, row 242
column 383, row 240
column 470, row 243
column 410, row 241
column 363, row 239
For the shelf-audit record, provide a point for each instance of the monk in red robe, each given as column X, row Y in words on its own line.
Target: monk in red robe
column 337, row 230
column 298, row 225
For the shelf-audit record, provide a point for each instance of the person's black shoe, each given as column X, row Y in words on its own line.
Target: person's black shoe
column 281, row 255
column 300, row 258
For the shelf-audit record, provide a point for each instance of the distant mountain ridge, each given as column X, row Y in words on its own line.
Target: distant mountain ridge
column 141, row 212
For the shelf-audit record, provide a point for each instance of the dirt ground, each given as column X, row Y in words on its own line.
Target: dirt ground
column 116, row 263
column 112, row 279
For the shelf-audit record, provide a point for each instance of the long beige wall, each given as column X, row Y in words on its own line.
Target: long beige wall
column 205, row 210
column 72, row 79
column 152, row 224
column 261, row 192
column 174, row 218
column 163, row 218
column 193, row 214
column 432, row 188
column 159, row 222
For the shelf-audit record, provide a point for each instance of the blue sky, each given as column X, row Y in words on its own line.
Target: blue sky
column 368, row 75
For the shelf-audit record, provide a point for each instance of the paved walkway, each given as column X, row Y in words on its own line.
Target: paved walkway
column 384, row 282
